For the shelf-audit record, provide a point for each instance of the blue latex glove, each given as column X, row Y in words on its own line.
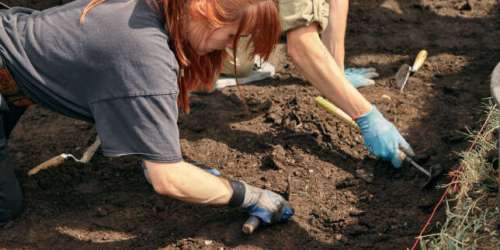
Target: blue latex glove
column 266, row 205
column 212, row 171
column 381, row 137
column 361, row 77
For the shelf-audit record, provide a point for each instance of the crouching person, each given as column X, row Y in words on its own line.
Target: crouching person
column 127, row 65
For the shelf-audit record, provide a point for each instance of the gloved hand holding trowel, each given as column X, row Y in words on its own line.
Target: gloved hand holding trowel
column 385, row 141
column 263, row 206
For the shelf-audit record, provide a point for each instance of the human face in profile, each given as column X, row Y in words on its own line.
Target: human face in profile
column 205, row 40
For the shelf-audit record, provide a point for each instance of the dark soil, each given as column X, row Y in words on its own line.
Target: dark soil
column 343, row 198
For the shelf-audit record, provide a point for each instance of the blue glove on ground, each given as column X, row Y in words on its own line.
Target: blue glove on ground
column 361, row 77
column 381, row 137
column 266, row 205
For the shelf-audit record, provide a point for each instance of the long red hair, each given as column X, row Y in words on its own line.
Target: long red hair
column 258, row 18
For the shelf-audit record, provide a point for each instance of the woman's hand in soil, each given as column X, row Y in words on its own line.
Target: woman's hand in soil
column 381, row 137
column 266, row 205
column 361, row 77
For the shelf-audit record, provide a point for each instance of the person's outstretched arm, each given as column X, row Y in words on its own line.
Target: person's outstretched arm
column 187, row 182
column 334, row 35
column 333, row 38
column 319, row 67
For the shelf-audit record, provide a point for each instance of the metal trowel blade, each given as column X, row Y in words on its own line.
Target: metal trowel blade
column 402, row 76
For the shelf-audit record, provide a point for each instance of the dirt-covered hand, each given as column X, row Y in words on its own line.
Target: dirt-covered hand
column 381, row 137
column 266, row 205
column 361, row 77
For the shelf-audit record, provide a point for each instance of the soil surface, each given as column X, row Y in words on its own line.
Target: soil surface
column 343, row 198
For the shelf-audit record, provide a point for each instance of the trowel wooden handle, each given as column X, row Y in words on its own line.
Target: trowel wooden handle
column 334, row 110
column 89, row 153
column 419, row 61
column 52, row 162
column 250, row 225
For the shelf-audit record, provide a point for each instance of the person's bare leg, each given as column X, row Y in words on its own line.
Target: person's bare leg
column 333, row 36
column 319, row 67
column 189, row 183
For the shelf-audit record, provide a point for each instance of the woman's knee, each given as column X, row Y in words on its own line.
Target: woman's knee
column 11, row 207
column 11, row 197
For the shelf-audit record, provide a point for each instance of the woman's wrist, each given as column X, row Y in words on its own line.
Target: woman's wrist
column 368, row 113
column 363, row 111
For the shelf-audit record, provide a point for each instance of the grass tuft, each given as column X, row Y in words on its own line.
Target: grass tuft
column 471, row 216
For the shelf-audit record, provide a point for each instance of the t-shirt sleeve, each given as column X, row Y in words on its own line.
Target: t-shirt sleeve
column 140, row 125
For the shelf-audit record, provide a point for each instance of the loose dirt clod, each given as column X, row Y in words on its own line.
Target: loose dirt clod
column 365, row 175
column 348, row 182
column 356, row 213
column 465, row 6
column 386, row 97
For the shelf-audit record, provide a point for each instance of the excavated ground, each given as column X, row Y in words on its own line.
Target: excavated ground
column 343, row 198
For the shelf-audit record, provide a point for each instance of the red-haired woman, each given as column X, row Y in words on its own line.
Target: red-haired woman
column 125, row 65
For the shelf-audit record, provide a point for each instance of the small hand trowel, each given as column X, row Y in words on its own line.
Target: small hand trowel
column 434, row 171
column 405, row 70
column 432, row 174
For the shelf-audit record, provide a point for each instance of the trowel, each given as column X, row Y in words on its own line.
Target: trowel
column 433, row 172
column 405, row 70
column 59, row 159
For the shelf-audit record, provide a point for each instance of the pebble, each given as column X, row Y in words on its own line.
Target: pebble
column 274, row 118
column 278, row 151
column 338, row 236
column 365, row 175
column 345, row 183
column 357, row 213
column 386, row 97
column 366, row 197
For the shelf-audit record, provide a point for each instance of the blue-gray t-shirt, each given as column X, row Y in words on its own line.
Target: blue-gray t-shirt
column 116, row 70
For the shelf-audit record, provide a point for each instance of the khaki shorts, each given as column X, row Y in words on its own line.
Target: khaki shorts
column 293, row 14
column 299, row 13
